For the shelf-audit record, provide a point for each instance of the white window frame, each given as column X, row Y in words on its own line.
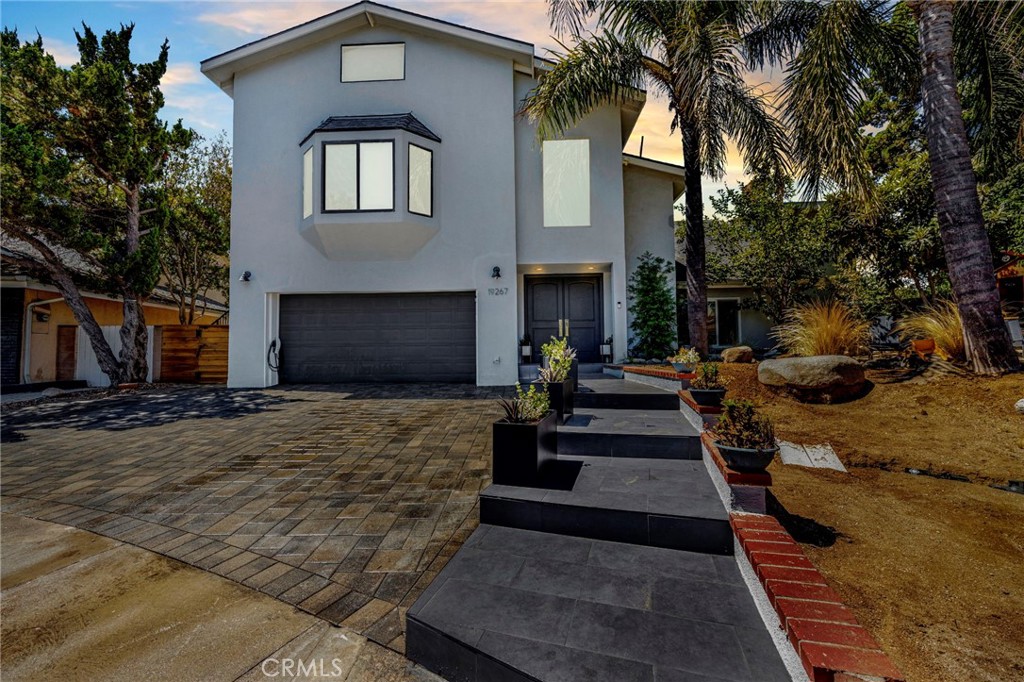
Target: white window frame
column 355, row 46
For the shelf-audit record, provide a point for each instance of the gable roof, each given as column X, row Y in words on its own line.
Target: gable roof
column 382, row 122
column 221, row 69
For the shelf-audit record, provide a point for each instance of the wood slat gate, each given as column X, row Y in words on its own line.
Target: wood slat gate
column 191, row 354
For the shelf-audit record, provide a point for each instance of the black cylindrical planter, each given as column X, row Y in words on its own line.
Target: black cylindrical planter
column 708, row 397
column 562, row 398
column 521, row 450
column 746, row 459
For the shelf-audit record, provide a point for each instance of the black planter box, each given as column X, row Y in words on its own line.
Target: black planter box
column 746, row 459
column 520, row 451
column 562, row 398
column 708, row 397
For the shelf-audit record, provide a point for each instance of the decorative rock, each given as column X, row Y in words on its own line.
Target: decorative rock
column 738, row 354
column 1020, row 406
column 51, row 392
column 815, row 379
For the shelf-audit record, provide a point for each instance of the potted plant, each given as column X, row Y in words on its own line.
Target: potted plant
column 685, row 360
column 555, row 375
column 526, row 346
column 525, row 439
column 744, row 438
column 708, row 388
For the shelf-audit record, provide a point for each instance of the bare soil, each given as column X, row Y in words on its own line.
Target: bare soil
column 933, row 567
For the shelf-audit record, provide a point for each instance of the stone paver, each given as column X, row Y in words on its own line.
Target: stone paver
column 343, row 501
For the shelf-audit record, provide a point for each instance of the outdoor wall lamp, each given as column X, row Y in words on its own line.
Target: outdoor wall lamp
column 496, row 273
column 246, row 276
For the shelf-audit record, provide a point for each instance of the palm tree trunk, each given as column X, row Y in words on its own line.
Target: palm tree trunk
column 693, row 244
column 964, row 239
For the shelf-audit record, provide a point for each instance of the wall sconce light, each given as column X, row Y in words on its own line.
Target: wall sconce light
column 496, row 273
column 246, row 276
column 619, row 305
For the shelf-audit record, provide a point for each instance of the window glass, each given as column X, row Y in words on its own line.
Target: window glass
column 307, row 183
column 372, row 62
column 566, row 183
column 420, row 180
column 340, row 177
column 376, row 176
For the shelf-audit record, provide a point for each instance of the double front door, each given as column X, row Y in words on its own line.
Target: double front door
column 565, row 305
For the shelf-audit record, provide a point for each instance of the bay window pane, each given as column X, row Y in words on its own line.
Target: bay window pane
column 307, row 183
column 340, row 177
column 376, row 176
column 566, row 183
column 420, row 180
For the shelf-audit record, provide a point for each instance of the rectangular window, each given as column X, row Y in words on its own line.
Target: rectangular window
column 421, row 181
column 307, row 183
column 566, row 183
column 359, row 176
column 384, row 62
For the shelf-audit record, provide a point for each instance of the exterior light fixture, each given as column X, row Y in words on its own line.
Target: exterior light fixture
column 496, row 273
column 246, row 276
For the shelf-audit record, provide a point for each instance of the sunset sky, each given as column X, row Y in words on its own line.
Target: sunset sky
column 198, row 30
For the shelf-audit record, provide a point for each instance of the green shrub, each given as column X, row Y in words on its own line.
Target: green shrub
column 560, row 357
column 823, row 328
column 708, row 378
column 740, row 426
column 526, row 406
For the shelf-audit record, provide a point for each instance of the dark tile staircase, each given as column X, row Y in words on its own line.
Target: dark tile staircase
column 625, row 575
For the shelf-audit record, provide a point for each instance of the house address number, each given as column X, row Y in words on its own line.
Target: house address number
column 497, row 291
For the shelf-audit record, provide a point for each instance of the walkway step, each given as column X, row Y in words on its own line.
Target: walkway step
column 616, row 394
column 653, row 502
column 652, row 434
column 527, row 606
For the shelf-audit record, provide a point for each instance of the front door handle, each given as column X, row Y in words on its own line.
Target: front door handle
column 560, row 326
column 567, row 326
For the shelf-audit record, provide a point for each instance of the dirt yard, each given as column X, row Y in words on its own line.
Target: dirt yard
column 933, row 567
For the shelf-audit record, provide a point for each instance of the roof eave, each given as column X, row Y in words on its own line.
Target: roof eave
column 677, row 173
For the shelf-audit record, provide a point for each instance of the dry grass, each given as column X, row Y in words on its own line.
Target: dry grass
column 941, row 322
column 823, row 328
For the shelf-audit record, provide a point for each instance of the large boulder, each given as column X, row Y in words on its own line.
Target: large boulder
column 738, row 354
column 815, row 379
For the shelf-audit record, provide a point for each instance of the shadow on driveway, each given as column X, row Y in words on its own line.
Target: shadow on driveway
column 153, row 406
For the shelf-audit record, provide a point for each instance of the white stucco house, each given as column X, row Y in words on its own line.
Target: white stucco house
column 393, row 219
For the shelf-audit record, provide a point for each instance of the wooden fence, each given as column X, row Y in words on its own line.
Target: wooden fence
column 194, row 355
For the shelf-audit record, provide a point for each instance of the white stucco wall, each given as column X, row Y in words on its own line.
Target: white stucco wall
column 466, row 98
column 649, row 220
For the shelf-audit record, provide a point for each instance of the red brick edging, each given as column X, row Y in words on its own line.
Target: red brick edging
column 698, row 408
column 832, row 645
column 733, row 477
column 660, row 372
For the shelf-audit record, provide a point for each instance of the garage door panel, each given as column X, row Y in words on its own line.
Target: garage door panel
column 328, row 338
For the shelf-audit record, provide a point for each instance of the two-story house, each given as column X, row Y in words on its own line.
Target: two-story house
column 394, row 219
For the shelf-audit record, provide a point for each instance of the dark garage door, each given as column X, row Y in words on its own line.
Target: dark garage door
column 332, row 338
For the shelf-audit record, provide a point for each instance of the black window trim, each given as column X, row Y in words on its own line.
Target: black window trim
column 341, row 62
column 408, row 181
column 323, row 176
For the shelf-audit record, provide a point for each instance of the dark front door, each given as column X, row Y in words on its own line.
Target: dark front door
column 565, row 305
column 66, row 347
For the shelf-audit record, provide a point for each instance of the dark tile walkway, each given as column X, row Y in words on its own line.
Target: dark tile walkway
column 345, row 502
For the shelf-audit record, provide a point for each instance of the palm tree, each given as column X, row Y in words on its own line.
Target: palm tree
column 691, row 53
column 841, row 42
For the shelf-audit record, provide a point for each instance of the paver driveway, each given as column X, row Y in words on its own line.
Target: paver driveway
column 344, row 502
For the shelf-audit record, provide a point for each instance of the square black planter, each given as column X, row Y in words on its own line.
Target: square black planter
column 521, row 450
column 562, row 398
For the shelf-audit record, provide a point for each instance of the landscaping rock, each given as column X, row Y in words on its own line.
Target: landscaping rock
column 1020, row 406
column 815, row 379
column 738, row 354
column 51, row 392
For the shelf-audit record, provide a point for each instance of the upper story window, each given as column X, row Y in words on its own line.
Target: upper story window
column 380, row 62
column 566, row 183
column 359, row 176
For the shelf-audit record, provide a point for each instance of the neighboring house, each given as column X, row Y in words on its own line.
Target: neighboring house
column 398, row 220
column 1010, row 280
column 41, row 340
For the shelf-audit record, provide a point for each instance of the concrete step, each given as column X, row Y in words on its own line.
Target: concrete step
column 657, row 434
column 525, row 606
column 615, row 394
column 654, row 502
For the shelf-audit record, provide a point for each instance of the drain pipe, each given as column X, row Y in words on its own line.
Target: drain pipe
column 26, row 352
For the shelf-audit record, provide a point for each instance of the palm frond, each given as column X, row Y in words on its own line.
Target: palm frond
column 569, row 17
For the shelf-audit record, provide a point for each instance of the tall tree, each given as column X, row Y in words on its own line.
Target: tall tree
column 82, row 149
column 840, row 42
column 196, row 220
column 691, row 53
